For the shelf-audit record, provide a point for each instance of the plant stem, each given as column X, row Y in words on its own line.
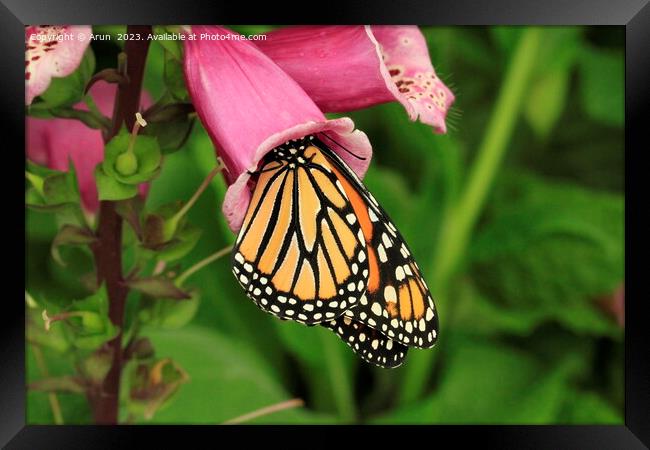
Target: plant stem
column 107, row 250
column 458, row 224
column 52, row 397
column 293, row 403
column 339, row 380
column 172, row 223
column 201, row 264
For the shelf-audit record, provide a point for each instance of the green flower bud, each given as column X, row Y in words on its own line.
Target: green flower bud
column 126, row 164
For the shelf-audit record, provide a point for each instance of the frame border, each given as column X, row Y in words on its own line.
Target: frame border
column 633, row 14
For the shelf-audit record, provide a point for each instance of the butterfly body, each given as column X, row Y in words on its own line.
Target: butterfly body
column 316, row 247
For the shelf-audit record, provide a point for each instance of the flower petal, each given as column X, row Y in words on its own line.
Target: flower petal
column 52, row 51
column 248, row 106
column 52, row 142
column 344, row 68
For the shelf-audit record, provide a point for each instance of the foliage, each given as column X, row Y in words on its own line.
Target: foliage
column 527, row 334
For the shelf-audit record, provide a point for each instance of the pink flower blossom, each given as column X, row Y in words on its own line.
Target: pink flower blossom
column 249, row 105
column 344, row 68
column 52, row 51
column 52, row 142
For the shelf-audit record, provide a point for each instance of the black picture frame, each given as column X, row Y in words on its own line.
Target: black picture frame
column 634, row 15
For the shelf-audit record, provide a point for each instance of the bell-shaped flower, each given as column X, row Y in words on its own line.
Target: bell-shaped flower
column 52, row 51
column 249, row 106
column 53, row 142
column 344, row 68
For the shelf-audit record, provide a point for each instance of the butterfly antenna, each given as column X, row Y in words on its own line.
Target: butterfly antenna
column 343, row 147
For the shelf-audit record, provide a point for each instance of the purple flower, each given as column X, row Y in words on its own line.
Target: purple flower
column 252, row 98
column 50, row 53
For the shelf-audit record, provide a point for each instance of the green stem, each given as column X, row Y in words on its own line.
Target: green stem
column 340, row 382
column 172, row 224
column 52, row 397
column 458, row 224
column 89, row 118
column 201, row 264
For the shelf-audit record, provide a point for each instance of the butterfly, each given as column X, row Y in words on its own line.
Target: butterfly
column 316, row 247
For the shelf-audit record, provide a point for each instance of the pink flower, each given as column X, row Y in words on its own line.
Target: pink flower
column 343, row 68
column 52, row 142
column 52, row 51
column 249, row 105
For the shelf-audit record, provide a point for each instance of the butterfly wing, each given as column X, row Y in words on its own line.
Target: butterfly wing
column 300, row 253
column 397, row 301
column 373, row 346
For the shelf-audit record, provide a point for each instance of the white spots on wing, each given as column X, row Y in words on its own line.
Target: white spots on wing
column 376, row 309
column 239, row 258
column 243, row 279
column 390, row 294
column 351, row 218
column 372, row 215
column 399, row 273
column 248, row 267
column 381, row 251
column 429, row 314
column 386, row 240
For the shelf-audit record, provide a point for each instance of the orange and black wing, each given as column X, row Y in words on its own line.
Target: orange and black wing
column 301, row 253
column 372, row 345
column 397, row 302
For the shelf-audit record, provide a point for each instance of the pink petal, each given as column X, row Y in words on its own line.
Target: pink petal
column 345, row 68
column 248, row 106
column 52, row 142
column 52, row 51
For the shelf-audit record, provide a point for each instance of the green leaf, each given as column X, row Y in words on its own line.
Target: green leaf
column 70, row 235
column 158, row 287
column 69, row 90
column 602, row 85
column 546, row 101
column 484, row 382
column 147, row 158
column 226, row 379
column 174, row 77
column 589, row 408
column 94, row 327
column 74, row 407
column 111, row 189
column 58, row 384
column 172, row 46
column 184, row 242
column 170, row 313
column 96, row 366
column 550, row 250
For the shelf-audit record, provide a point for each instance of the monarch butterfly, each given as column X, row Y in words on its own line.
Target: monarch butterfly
column 316, row 247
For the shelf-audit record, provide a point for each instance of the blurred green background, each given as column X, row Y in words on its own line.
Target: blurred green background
column 525, row 264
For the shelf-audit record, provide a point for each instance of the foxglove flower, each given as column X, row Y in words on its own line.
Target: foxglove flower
column 344, row 68
column 52, row 51
column 249, row 106
column 52, row 142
